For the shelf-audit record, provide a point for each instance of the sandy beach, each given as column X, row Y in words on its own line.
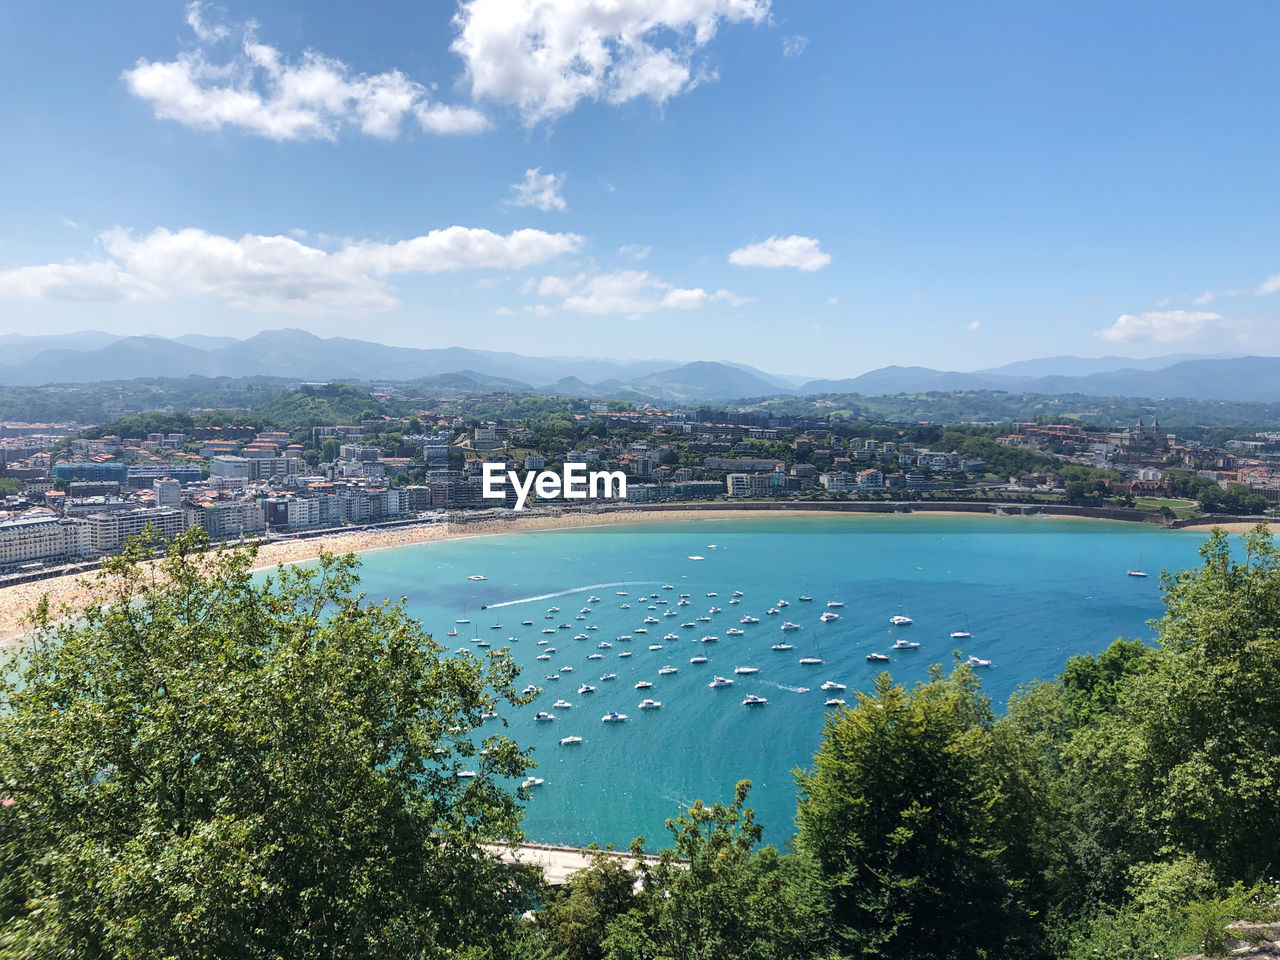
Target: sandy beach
column 74, row 591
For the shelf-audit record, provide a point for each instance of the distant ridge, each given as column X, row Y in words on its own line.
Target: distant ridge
column 95, row 356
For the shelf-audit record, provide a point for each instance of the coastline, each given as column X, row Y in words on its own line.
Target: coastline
column 73, row 591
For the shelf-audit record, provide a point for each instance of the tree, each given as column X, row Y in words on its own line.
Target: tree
column 204, row 765
column 902, row 814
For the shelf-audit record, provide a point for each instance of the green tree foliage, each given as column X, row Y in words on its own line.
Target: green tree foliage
column 202, row 765
column 903, row 814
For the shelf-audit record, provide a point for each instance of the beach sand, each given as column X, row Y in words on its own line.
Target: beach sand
column 75, row 591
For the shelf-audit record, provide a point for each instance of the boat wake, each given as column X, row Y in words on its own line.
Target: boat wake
column 783, row 686
column 572, row 590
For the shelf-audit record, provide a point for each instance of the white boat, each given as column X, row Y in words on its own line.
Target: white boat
column 834, row 702
column 898, row 620
column 713, row 610
column 712, row 594
column 603, row 645
column 593, row 599
column 462, row 621
column 553, row 609
column 878, row 657
column 905, row 645
column 526, row 623
column 621, row 593
column 542, row 716
column 543, row 656
column 566, row 669
column 783, row 646
column 668, row 613
column 477, row 576
column 609, row 676
column 697, row 558
column 667, row 586
column 623, row 638
column 811, row 661
column 783, row 603
column 806, row 599
column 788, row 625
column 655, row 646
column 495, row 626
column 466, row 774
column 751, row 700
column 698, row 660
column 829, row 616
column 687, row 626
column 647, row 704
column 549, row 630
column 749, row 620
column 595, row 656
column 613, row 716
column 720, row 682
column 1137, row 573
column 650, row 619
column 625, row 606
column 960, row 634
column 581, row 636
column 745, row 670
column 625, row 653
column 666, row 671
column 772, row 611
column 642, row 630
column 530, row 691
column 672, row 636
column 643, row 684
column 553, row 676
column 704, row 619
column 586, row 688
column 483, row 643
column 734, row 600
column 570, row 741
column 710, row 638
column 832, row 685
column 737, row 593
column 529, row 782
column 735, row 632
column 562, row 704
column 978, row 662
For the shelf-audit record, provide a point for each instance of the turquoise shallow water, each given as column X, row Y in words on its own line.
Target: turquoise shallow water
column 1033, row 592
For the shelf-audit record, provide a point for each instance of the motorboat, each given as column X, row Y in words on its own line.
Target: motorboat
column 647, row 704
column 464, row 620
column 745, row 670
column 562, row 704
column 553, row 609
column 642, row 629
column 978, row 662
column 772, row 611
column 621, row 593
column 672, row 636
column 783, row 646
column 549, row 630
column 593, row 599
column 526, row 623
column 878, row 657
column 608, row 676
column 543, row 717
column 553, row 676
column 698, row 659
column 623, row 637
column 720, row 682
column 806, row 599
column 737, row 593
column 643, row 684
column 586, row 688
column 580, row 636
column 466, row 774
column 749, row 620
column 905, row 645
column 834, row 604
column 783, row 603
column 625, row 606
column 832, row 685
column 735, row 632
column 811, row 661
column 688, row 626
column 829, row 616
column 603, row 645
column 685, row 596
column 788, row 625
column 960, row 634
column 666, row 671
column 734, row 600
column 595, row 656
column 667, row 586
column 544, row 656
column 668, row 613
column 477, row 576
column 704, row 619
column 529, row 783
column 898, row 620
column 655, row 646
column 570, row 741
column 713, row 610
column 712, row 594
column 625, row 653
column 751, row 700
column 710, row 638
column 566, row 669
column 530, row 691
column 483, row 643
column 495, row 626
column 834, row 702
column 650, row 619
column 613, row 716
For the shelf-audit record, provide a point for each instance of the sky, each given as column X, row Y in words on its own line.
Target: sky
column 810, row 187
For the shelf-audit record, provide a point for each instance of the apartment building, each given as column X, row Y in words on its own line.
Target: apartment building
column 33, row 539
column 109, row 531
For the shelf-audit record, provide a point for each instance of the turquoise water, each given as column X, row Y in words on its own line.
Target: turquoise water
column 1033, row 592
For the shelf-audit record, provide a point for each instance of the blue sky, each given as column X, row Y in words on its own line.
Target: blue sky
column 810, row 187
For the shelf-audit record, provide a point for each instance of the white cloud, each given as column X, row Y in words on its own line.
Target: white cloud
column 503, row 312
column 1204, row 298
column 636, row 292
column 540, row 311
column 794, row 45
column 973, row 325
column 538, row 189
column 634, row 251
column 832, row 301
column 1269, row 285
column 1162, row 326
column 546, row 56
column 258, row 90
column 274, row 273
column 799, row 252
column 555, row 286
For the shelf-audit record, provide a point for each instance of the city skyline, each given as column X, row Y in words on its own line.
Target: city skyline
column 807, row 190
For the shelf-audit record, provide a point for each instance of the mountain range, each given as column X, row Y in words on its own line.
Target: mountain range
column 95, row 356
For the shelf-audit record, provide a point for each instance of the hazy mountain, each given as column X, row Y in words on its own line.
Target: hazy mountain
column 703, row 380
column 895, row 379
column 1085, row 366
column 15, row 348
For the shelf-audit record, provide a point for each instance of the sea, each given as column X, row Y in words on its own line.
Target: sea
column 1031, row 591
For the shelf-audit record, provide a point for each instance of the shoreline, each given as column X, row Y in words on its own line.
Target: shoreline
column 73, row 591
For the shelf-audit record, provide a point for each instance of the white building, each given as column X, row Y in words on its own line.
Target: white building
column 32, row 539
column 168, row 492
column 109, row 531
column 838, row 482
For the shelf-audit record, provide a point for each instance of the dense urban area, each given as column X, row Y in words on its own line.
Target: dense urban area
column 332, row 455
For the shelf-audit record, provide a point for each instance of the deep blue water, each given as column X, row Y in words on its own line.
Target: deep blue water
column 1033, row 592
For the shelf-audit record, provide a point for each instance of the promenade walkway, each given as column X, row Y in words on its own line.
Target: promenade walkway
column 558, row 864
